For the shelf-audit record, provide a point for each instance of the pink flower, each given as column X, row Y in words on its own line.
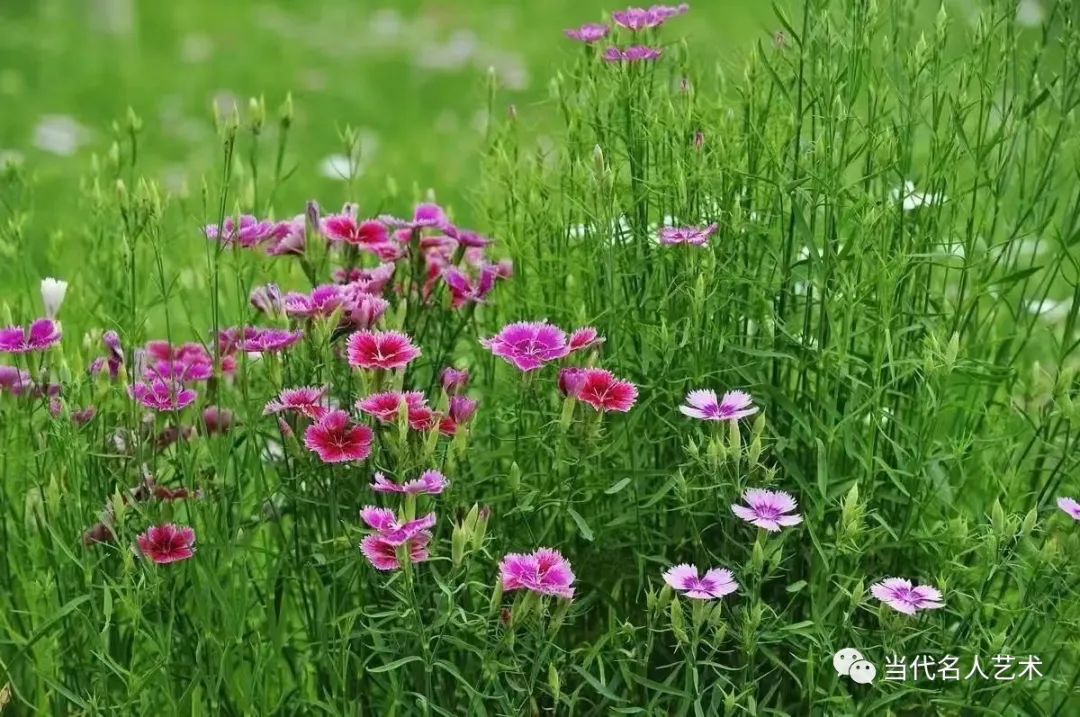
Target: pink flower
column 386, row 407
column 169, row 543
column 256, row 340
column 1070, row 506
column 248, row 233
column 571, row 381
column 306, row 400
column 462, row 410
column 390, row 529
column 528, row 346
column 335, row 440
column 544, row 572
column 601, row 390
column 370, row 281
column 768, row 509
column 588, row 33
column 217, row 420
column 454, row 380
column 715, row 583
column 161, row 395
column 267, row 299
column 704, row 405
column 43, row 334
column 179, row 371
column 14, row 381
column 322, row 302
column 81, row 417
column 632, row 54
column 584, row 338
column 362, row 310
column 898, row 594
column 345, row 228
column 687, row 235
column 429, row 483
column 464, row 290
column 383, row 350
column 287, row 237
column 383, row 555
column 426, row 216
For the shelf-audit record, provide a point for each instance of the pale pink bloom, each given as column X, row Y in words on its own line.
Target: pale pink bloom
column 601, row 390
column 336, row 440
column 545, row 572
column 429, row 483
column 583, row 338
column 768, row 509
column 371, row 281
column 161, row 395
column 322, row 302
column 704, row 405
column 528, row 345
column 41, row 335
column 1070, row 506
column 169, row 543
column 426, row 216
column 715, row 583
column 248, row 233
column 287, row 237
column 588, row 33
column 386, row 407
column 268, row 300
column 362, row 310
column 632, row 54
column 698, row 236
column 454, row 380
column 383, row 555
column 383, row 350
column 668, row 11
column 391, row 529
column 899, row 594
column 305, row 400
column 252, row 339
column 14, row 381
column 636, row 18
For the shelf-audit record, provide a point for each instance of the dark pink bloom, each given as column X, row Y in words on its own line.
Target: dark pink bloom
column 464, row 290
column 571, row 381
column 345, row 227
column 588, row 33
column 14, row 381
column 703, row 404
column 322, row 302
column 383, row 350
column 687, row 235
column 41, row 335
column 429, row 483
column 383, row 555
column 528, row 346
column 899, row 594
column 82, row 417
column 638, row 53
column 584, row 338
column 287, row 237
column 249, row 232
column 768, row 509
column 161, row 395
column 396, row 533
column 426, row 216
column 544, row 572
column 115, row 352
column 454, row 380
column 601, row 390
column 386, row 407
column 217, row 420
column 336, row 440
column 462, row 409
column 179, row 371
column 164, row 544
column 715, row 583
column 469, row 239
column 306, row 400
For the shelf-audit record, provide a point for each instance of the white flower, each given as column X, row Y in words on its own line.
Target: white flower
column 1050, row 309
column 912, row 199
column 52, row 295
column 1030, row 13
column 59, row 134
column 338, row 166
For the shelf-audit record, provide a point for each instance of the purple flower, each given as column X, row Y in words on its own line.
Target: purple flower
column 544, row 572
column 162, row 395
column 14, row 381
column 768, row 509
column 454, row 380
column 287, row 237
column 322, row 302
column 637, row 18
column 425, row 216
column 268, row 300
column 588, row 33
column 249, row 232
column 528, row 345
column 704, row 405
column 637, row 53
column 715, row 583
column 687, row 235
column 429, row 483
column 43, row 334
column 82, row 417
column 898, row 594
column 1070, row 506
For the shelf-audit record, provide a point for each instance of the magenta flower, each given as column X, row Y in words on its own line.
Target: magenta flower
column 369, row 281
column 704, row 405
column 169, row 543
column 322, row 302
column 528, row 346
column 768, row 509
column 425, row 216
column 601, row 390
column 668, row 11
column 362, row 310
column 638, row 53
column 287, row 237
column 636, row 18
column 588, row 33
column 429, row 483
column 345, row 228
column 384, row 350
column 545, row 572
column 390, row 529
column 464, row 290
column 179, row 371
column 583, row 338
column 386, row 407
column 698, row 236
column 336, row 440
column 898, row 594
column 305, row 400
column 256, row 340
column 43, row 334
column 161, row 395
column 383, row 555
column 1070, row 506
column 715, row 583
column 14, row 381
column 217, row 420
column 454, row 380
column 248, row 233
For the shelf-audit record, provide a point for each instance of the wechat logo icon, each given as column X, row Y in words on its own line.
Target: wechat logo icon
column 850, row 663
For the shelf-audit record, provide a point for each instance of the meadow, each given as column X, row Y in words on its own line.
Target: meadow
column 657, row 369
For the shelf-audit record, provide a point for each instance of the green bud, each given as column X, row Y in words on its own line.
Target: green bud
column 458, row 538
column 285, row 112
column 553, row 681
column 678, row 624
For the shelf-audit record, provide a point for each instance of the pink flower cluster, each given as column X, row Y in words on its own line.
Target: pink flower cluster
column 544, row 572
column 41, row 335
column 396, row 541
column 634, row 19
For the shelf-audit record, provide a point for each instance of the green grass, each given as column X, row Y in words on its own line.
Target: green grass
column 923, row 416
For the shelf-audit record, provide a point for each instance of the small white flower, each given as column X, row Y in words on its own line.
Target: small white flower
column 59, row 134
column 52, row 295
column 1030, row 13
column 1050, row 309
column 338, row 166
column 913, row 200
